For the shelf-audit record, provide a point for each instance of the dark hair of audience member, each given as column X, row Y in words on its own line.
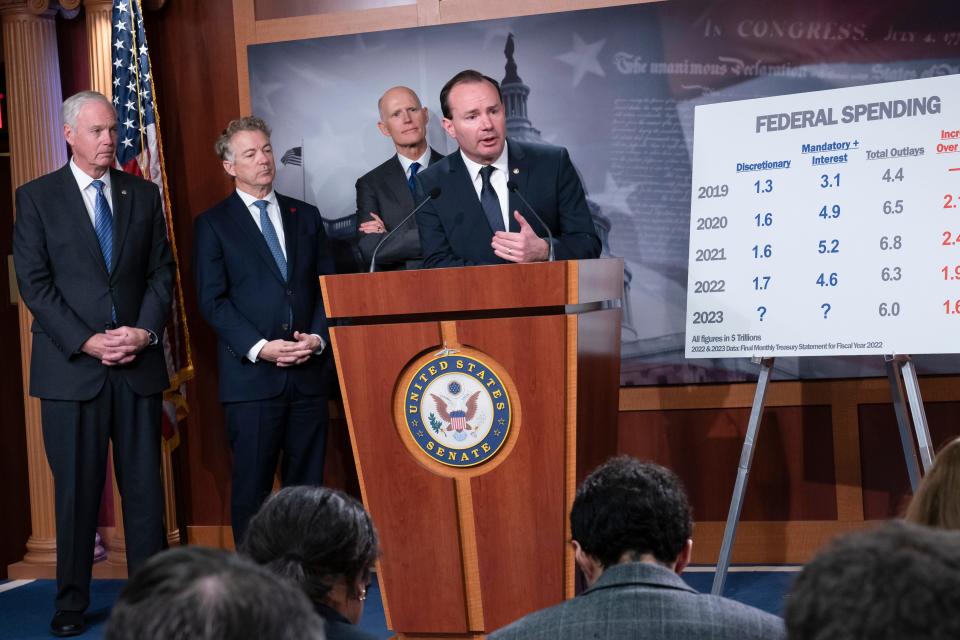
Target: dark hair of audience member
column 895, row 582
column 937, row 502
column 198, row 593
column 464, row 77
column 314, row 536
column 629, row 507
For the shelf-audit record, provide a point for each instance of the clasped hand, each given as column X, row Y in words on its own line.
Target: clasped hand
column 287, row 353
column 117, row 346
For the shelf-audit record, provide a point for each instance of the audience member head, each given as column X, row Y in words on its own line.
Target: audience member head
column 474, row 116
column 198, row 593
column 895, row 582
column 320, row 538
column 404, row 120
column 937, row 503
column 630, row 511
column 246, row 153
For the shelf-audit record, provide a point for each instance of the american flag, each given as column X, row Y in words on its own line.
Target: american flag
column 139, row 151
column 293, row 156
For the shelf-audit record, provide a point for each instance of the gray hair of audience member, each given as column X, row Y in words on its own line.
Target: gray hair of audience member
column 246, row 123
column 896, row 582
column 71, row 106
column 198, row 593
column 314, row 536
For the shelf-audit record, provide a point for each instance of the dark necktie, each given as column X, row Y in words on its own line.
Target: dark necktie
column 270, row 235
column 489, row 200
column 411, row 182
column 103, row 226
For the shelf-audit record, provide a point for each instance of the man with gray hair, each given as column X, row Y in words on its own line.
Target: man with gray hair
column 95, row 269
column 257, row 257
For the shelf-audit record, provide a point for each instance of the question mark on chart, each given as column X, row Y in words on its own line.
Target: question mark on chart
column 763, row 312
column 826, row 309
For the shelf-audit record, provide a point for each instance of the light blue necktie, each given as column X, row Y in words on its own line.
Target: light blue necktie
column 270, row 235
column 103, row 225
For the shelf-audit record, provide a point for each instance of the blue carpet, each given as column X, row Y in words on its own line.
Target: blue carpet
column 25, row 611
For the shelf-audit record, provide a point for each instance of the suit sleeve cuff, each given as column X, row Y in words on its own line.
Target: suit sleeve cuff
column 254, row 352
column 323, row 344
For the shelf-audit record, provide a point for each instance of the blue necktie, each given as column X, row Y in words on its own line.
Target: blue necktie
column 413, row 174
column 270, row 235
column 103, row 225
column 489, row 200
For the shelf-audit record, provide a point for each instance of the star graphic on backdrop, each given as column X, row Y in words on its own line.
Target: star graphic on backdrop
column 361, row 48
column 118, row 45
column 614, row 196
column 583, row 58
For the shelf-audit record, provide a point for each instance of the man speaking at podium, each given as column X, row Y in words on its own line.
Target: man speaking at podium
column 476, row 219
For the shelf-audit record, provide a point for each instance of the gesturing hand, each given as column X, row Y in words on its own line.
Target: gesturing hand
column 521, row 246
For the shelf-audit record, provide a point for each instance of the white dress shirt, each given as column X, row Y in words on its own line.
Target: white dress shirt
column 273, row 212
column 89, row 192
column 405, row 162
column 498, row 180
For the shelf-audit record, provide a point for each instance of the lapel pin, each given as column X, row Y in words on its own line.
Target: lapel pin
column 123, row 192
column 293, row 209
column 516, row 171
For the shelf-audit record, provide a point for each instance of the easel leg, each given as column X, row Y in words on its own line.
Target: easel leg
column 743, row 473
column 903, row 420
column 919, row 414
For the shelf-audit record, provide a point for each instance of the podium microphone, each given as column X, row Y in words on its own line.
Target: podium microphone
column 512, row 186
column 434, row 193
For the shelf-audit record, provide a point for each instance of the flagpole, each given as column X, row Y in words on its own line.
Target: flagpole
column 303, row 170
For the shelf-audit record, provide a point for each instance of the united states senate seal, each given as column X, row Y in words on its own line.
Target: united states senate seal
column 457, row 409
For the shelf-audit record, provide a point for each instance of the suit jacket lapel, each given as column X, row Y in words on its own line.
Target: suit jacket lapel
column 288, row 213
column 241, row 215
column 76, row 211
column 122, row 201
column 518, row 172
column 396, row 180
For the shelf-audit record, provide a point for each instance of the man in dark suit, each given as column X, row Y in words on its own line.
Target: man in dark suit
column 470, row 222
column 385, row 194
column 257, row 257
column 631, row 530
column 95, row 269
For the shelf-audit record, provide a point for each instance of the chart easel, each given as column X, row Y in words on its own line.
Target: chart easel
column 902, row 376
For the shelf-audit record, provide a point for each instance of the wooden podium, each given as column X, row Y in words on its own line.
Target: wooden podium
column 476, row 399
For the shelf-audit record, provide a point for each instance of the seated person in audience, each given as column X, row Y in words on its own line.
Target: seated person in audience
column 323, row 540
column 198, row 593
column 631, row 529
column 937, row 503
column 900, row 581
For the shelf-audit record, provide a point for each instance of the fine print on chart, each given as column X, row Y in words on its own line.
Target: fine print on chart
column 827, row 223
